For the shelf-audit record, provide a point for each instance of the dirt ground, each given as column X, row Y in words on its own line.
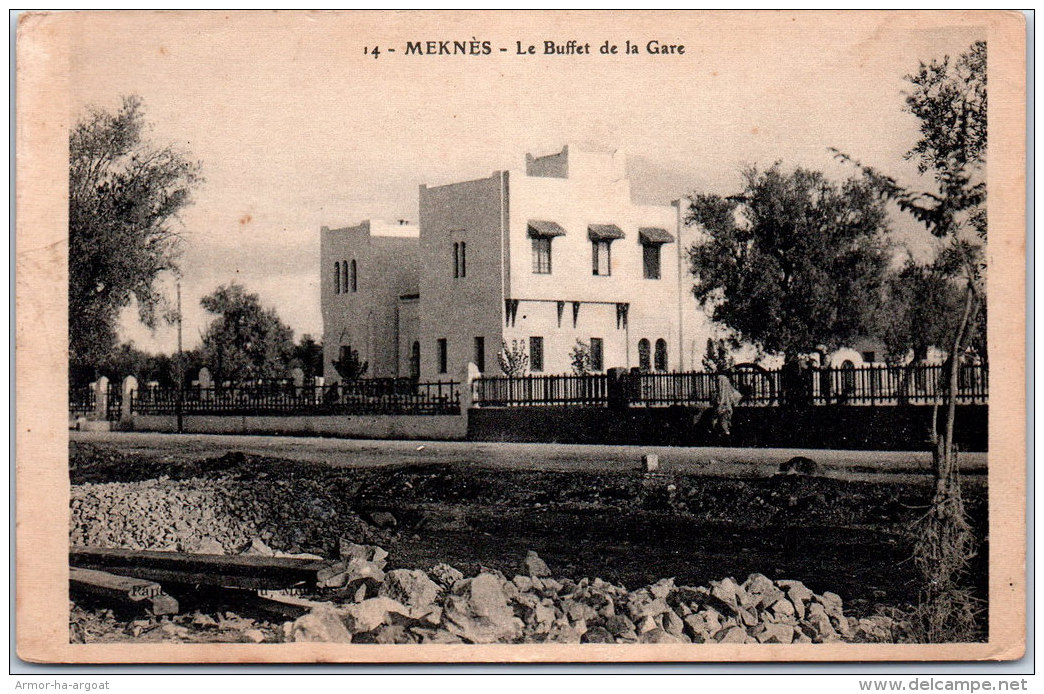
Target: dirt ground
column 849, row 536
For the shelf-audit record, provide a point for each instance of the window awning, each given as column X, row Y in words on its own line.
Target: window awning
column 604, row 232
column 539, row 229
column 650, row 235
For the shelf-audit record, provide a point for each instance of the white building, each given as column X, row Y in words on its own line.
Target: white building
column 548, row 255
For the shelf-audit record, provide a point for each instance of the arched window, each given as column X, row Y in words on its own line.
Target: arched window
column 337, row 278
column 415, row 361
column 661, row 354
column 355, row 277
column 344, row 276
column 644, row 356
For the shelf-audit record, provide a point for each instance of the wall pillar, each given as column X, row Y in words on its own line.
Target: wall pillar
column 129, row 387
column 101, row 398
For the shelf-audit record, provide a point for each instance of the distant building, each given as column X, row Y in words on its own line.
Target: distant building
column 546, row 255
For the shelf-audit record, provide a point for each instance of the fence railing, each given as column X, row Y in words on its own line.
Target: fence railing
column 81, row 401
column 358, row 398
column 921, row 384
column 504, row 391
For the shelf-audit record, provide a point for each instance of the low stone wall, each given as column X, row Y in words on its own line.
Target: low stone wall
column 837, row 427
column 424, row 427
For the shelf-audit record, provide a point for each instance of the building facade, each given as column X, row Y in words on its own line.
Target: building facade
column 545, row 256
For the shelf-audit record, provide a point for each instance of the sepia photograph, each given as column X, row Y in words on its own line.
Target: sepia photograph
column 520, row 336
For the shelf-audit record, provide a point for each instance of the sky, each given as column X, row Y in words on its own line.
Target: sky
column 296, row 128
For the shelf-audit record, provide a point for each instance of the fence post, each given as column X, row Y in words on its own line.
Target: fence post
column 130, row 386
column 101, row 398
column 468, row 377
column 617, row 388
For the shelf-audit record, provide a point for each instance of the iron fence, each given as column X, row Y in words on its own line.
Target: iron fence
column 917, row 384
column 384, row 396
column 81, row 401
column 516, row 391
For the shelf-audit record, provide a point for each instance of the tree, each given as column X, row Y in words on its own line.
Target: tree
column 793, row 262
column 124, row 198
column 580, row 358
column 350, row 367
column 921, row 308
column 514, row 361
column 308, row 354
column 950, row 100
column 718, row 357
column 245, row 341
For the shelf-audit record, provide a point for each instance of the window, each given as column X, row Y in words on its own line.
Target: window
column 355, row 276
column 536, row 354
column 460, row 259
column 601, row 261
column 644, row 355
column 337, row 278
column 443, row 356
column 415, row 361
column 344, row 276
column 651, row 261
column 542, row 256
column 596, row 354
column 480, row 354
column 661, row 355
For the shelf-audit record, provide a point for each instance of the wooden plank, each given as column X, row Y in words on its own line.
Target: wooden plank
column 246, row 571
column 124, row 590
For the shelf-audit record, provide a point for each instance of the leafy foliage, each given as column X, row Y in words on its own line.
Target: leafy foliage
column 949, row 99
column 718, row 357
column 308, row 354
column 793, row 262
column 124, row 197
column 350, row 367
column 514, row 360
column 580, row 358
column 245, row 341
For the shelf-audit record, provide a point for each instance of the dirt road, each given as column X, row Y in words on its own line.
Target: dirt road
column 738, row 462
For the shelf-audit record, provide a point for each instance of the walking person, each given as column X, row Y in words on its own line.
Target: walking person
column 726, row 397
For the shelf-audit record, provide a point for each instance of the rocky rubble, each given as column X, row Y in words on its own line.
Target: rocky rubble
column 212, row 516
column 443, row 606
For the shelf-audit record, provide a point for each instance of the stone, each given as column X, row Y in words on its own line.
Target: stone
column 480, row 613
column 523, row 583
column 383, row 519
column 673, row 624
column 651, row 462
column 663, row 588
column 731, row 635
column 618, row 625
column 653, row 608
column 372, row 613
column 392, row 633
column 411, row 588
column 445, row 575
column 658, row 635
column 258, row 548
column 321, row 625
column 209, row 546
column 597, row 635
column 783, row 611
column 831, row 602
column 818, row 620
column 775, row 633
column 725, row 590
column 563, row 633
column 535, row 566
column 254, row 635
